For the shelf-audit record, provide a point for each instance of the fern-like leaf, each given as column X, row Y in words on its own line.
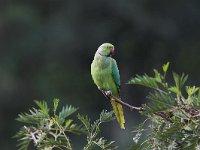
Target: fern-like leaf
column 85, row 121
column 43, row 107
column 67, row 111
column 104, row 144
column 106, row 116
column 179, row 82
column 144, row 80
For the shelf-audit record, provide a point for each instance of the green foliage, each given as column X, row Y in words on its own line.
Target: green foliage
column 93, row 130
column 172, row 114
column 48, row 129
column 179, row 83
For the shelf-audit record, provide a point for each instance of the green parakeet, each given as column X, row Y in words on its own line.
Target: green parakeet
column 106, row 76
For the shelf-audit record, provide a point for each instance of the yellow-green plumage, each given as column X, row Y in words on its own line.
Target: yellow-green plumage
column 105, row 74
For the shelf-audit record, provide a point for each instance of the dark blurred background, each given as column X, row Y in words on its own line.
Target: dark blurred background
column 46, row 48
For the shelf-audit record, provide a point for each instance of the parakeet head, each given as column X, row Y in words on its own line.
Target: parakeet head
column 106, row 49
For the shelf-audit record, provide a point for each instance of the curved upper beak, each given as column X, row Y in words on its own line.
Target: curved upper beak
column 112, row 51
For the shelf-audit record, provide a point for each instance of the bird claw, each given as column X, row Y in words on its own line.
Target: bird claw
column 108, row 93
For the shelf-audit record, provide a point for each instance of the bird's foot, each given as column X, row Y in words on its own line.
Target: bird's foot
column 108, row 93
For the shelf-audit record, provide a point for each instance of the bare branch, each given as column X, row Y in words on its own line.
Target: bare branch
column 164, row 116
column 126, row 104
column 109, row 95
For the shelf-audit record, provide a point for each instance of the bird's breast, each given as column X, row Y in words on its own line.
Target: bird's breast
column 102, row 76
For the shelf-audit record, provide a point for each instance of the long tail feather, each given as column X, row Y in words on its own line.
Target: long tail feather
column 118, row 110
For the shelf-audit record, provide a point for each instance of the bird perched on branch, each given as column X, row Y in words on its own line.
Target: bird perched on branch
column 106, row 76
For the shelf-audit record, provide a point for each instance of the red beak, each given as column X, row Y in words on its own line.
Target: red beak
column 112, row 51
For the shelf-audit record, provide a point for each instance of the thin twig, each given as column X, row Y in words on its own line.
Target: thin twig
column 62, row 130
column 126, row 104
column 33, row 137
column 108, row 95
column 164, row 116
column 161, row 114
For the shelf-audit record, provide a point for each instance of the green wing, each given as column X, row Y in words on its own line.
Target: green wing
column 115, row 73
column 116, row 106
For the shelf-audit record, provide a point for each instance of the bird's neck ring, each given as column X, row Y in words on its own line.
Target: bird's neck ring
column 104, row 55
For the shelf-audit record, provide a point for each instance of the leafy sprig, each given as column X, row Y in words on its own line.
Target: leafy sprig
column 173, row 113
column 94, row 129
column 47, row 128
